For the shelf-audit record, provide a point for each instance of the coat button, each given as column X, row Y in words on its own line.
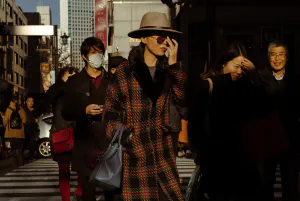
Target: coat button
column 87, row 94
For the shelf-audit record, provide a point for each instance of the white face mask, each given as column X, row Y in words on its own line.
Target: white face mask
column 96, row 60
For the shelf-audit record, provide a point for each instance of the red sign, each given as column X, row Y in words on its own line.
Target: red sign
column 101, row 20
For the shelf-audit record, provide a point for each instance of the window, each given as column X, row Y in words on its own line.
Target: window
column 16, row 18
column 25, row 46
column 22, row 45
column 16, row 78
column 16, row 58
column 21, row 80
column 21, row 62
column 20, row 21
column 17, row 40
column 10, row 78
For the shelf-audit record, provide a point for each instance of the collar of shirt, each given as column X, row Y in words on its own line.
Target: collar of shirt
column 96, row 80
column 279, row 78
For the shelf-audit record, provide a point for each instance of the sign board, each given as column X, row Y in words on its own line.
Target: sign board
column 45, row 74
column 101, row 21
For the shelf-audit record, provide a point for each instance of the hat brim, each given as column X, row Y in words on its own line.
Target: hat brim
column 143, row 32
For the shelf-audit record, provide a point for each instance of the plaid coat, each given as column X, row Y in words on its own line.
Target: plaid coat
column 149, row 162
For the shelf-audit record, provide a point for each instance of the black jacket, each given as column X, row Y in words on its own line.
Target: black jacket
column 285, row 98
column 89, row 133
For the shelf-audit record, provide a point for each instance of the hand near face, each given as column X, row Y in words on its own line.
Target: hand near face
column 173, row 51
column 247, row 65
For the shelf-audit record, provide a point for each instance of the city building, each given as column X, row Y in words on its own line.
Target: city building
column 13, row 52
column 36, row 56
column 46, row 15
column 64, row 50
column 79, row 26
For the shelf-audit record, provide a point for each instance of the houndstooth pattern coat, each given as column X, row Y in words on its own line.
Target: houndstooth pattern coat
column 149, row 162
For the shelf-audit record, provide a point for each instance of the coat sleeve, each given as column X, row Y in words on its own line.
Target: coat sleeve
column 178, row 82
column 72, row 108
column 114, row 108
column 54, row 91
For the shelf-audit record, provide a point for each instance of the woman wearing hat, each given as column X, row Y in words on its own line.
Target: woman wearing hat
column 141, row 92
column 141, row 96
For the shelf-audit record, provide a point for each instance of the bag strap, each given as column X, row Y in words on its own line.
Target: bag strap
column 120, row 130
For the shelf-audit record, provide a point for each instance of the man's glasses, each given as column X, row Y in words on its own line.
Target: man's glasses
column 280, row 56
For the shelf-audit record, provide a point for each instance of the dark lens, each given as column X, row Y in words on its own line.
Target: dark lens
column 160, row 39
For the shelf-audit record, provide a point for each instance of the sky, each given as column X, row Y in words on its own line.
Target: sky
column 30, row 6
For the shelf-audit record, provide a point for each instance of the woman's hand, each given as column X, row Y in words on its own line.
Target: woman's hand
column 247, row 65
column 173, row 51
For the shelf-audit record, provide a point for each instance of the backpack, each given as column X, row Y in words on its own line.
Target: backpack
column 15, row 121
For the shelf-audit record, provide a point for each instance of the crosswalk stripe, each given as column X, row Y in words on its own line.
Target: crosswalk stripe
column 39, row 179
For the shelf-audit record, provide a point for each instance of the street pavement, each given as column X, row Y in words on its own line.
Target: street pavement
column 38, row 181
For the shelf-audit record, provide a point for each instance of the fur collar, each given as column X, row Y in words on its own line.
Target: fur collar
column 153, row 88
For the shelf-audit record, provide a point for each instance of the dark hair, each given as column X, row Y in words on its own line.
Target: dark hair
column 232, row 51
column 114, row 62
column 89, row 43
column 278, row 43
column 14, row 98
column 71, row 70
column 29, row 97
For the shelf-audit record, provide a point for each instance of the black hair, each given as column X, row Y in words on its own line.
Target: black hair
column 89, row 43
column 71, row 70
column 234, row 50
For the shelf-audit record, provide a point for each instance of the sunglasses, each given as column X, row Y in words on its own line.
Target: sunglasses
column 161, row 39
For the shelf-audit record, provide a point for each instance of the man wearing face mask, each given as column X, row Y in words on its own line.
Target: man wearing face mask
column 84, row 97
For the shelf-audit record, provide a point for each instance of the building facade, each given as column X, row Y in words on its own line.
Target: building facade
column 13, row 53
column 46, row 14
column 64, row 50
column 80, row 26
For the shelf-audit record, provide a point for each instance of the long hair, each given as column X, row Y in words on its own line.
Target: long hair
column 232, row 51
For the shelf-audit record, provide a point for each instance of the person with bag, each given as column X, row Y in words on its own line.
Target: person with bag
column 83, row 102
column 54, row 96
column 13, row 122
column 139, row 97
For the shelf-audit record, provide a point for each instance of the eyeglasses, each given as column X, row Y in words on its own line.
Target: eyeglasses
column 280, row 56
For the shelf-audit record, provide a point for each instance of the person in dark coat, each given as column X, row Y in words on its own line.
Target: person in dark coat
column 283, row 87
column 31, row 127
column 227, row 172
column 54, row 97
column 83, row 103
column 140, row 97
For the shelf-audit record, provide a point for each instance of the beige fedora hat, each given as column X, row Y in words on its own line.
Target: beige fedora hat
column 153, row 21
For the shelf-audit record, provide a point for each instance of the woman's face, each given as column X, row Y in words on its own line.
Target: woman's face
column 234, row 66
column 157, row 45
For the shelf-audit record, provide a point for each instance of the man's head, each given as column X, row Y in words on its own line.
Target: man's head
column 92, row 52
column 278, row 55
column 29, row 102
